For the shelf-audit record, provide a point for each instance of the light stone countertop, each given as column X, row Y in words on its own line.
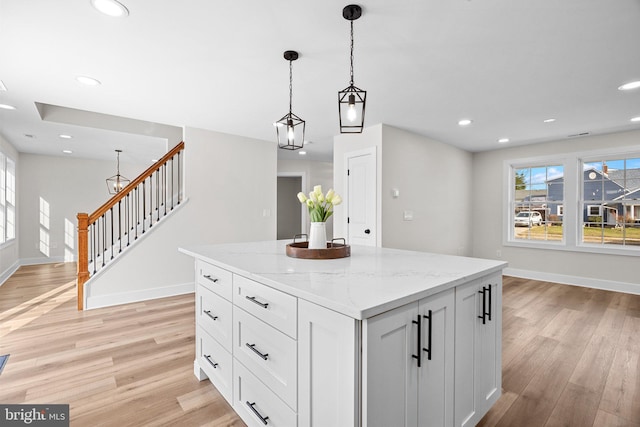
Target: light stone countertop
column 369, row 282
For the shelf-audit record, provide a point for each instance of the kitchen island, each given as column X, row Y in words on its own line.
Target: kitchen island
column 383, row 337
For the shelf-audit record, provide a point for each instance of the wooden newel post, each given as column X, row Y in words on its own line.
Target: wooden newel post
column 83, row 256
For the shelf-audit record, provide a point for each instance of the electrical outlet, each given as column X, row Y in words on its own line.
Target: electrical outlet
column 408, row 215
column 499, row 253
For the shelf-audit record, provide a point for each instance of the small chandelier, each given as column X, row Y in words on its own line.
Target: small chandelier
column 117, row 182
column 290, row 128
column 352, row 100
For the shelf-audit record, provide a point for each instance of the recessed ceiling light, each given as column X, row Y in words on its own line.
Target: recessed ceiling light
column 64, row 136
column 67, row 151
column 277, row 124
column 7, row 107
column 3, row 88
column 110, row 8
column 465, row 122
column 302, row 153
column 503, row 140
column 636, row 119
column 88, row 81
column 630, row 85
column 549, row 120
column 154, row 160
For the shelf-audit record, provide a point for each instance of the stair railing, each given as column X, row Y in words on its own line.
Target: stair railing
column 130, row 213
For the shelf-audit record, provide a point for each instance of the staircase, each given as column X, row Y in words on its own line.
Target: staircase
column 106, row 233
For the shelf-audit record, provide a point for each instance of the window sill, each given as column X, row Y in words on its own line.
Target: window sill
column 584, row 248
column 7, row 243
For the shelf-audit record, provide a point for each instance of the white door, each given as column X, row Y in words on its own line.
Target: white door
column 361, row 197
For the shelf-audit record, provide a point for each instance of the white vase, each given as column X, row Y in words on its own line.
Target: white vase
column 318, row 235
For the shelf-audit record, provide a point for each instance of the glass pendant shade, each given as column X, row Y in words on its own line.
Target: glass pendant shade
column 290, row 131
column 117, row 182
column 290, row 128
column 351, row 106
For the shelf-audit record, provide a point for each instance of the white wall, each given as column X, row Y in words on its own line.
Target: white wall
column 9, row 252
column 67, row 185
column 230, row 183
column 434, row 181
column 600, row 270
column 315, row 173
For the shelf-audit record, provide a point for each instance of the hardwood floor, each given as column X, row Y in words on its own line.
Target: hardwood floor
column 571, row 356
column 130, row 365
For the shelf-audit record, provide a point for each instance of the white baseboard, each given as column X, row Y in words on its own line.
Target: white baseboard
column 8, row 272
column 136, row 296
column 42, row 260
column 587, row 282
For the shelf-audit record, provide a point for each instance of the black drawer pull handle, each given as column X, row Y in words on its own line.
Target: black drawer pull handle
column 419, row 323
column 208, row 357
column 257, row 414
column 213, row 279
column 208, row 313
column 261, row 304
column 253, row 348
column 428, row 349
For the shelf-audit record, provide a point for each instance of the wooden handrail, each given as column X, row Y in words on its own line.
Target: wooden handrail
column 133, row 184
column 86, row 220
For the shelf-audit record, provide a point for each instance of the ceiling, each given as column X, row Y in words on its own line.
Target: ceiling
column 505, row 64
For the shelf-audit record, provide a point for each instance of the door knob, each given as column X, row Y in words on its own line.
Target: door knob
column 367, row 231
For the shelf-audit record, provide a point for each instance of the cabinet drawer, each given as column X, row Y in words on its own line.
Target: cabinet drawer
column 268, row 353
column 271, row 306
column 214, row 278
column 216, row 362
column 214, row 316
column 254, row 402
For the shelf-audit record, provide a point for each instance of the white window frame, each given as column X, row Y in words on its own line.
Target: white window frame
column 509, row 230
column 8, row 196
column 598, row 210
column 572, row 205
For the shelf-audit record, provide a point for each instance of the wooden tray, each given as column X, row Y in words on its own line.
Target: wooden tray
column 333, row 251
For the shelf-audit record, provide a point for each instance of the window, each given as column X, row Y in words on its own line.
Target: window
column 560, row 210
column 610, row 201
column 7, row 199
column 536, row 202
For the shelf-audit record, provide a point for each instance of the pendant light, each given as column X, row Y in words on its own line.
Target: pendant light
column 352, row 100
column 290, row 128
column 117, row 182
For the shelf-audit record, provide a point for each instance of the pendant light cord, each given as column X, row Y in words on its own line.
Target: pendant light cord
column 290, row 84
column 351, row 58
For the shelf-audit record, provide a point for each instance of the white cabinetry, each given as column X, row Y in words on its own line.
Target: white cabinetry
column 381, row 339
column 478, row 342
column 408, row 364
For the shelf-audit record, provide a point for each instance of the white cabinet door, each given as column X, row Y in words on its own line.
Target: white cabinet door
column 435, row 375
column 478, row 359
column 328, row 375
column 389, row 369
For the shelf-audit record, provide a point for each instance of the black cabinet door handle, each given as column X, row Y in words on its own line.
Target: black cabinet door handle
column 256, row 413
column 428, row 348
column 484, row 305
column 419, row 323
column 367, row 231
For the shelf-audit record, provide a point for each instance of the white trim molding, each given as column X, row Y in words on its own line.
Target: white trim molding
column 586, row 282
column 4, row 276
column 99, row 301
